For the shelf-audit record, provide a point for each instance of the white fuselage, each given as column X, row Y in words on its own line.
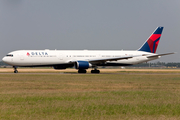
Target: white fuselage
column 59, row 57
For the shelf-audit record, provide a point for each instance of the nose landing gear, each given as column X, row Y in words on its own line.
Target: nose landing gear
column 15, row 69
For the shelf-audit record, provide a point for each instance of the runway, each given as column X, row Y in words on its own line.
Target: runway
column 103, row 71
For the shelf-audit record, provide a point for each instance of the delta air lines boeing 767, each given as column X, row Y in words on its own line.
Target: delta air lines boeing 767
column 84, row 59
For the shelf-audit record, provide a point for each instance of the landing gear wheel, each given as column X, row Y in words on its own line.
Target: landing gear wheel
column 95, row 71
column 82, row 71
column 15, row 71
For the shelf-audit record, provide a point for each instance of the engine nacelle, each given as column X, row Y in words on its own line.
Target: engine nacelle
column 82, row 65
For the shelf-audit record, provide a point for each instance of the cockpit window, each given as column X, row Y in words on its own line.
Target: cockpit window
column 9, row 55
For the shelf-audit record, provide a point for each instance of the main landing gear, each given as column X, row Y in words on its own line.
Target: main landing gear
column 82, row 71
column 15, row 69
column 92, row 71
column 95, row 71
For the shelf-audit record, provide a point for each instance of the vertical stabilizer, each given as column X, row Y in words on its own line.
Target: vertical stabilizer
column 152, row 42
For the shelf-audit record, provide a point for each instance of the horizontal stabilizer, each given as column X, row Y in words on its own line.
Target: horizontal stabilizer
column 159, row 55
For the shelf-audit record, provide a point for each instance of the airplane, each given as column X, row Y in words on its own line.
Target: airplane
column 84, row 59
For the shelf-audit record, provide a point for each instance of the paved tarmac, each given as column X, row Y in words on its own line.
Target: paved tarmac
column 103, row 71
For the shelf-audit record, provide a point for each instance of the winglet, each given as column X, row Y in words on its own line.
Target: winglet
column 152, row 42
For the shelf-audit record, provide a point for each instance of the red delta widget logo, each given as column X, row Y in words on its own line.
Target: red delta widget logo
column 36, row 53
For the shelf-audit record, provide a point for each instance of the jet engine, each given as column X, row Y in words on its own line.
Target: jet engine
column 82, row 65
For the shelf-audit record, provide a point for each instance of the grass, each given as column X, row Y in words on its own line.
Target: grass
column 90, row 96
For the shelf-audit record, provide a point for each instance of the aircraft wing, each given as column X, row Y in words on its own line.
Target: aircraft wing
column 159, row 55
column 95, row 61
column 109, row 59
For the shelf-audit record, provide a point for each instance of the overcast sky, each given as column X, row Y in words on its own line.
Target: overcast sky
column 89, row 24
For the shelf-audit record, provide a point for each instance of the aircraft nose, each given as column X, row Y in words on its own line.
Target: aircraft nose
column 5, row 59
